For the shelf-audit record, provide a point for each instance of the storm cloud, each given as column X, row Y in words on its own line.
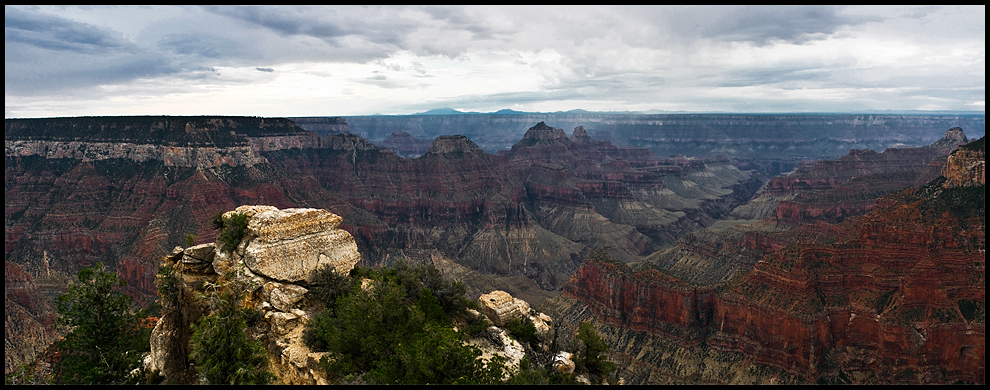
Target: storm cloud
column 353, row 60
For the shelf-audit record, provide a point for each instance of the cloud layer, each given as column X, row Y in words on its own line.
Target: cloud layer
column 291, row 61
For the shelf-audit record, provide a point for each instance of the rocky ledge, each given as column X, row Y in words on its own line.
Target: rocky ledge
column 273, row 263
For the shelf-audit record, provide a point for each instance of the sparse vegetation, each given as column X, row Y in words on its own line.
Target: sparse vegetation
column 523, row 330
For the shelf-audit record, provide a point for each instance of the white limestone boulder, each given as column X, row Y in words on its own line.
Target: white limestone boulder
column 289, row 245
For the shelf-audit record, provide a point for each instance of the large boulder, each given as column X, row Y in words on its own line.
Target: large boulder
column 288, row 245
column 501, row 307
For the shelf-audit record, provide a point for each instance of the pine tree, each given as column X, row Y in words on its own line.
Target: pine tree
column 105, row 343
column 592, row 356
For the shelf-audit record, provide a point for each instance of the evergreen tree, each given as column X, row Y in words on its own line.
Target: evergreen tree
column 105, row 342
column 592, row 355
column 221, row 350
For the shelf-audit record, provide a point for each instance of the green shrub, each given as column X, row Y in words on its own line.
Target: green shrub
column 397, row 332
column 329, row 285
column 476, row 327
column 415, row 277
column 233, row 227
column 523, row 330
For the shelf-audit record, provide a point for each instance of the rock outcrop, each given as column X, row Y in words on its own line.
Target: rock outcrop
column 966, row 166
column 287, row 245
column 405, row 145
column 271, row 268
column 501, row 307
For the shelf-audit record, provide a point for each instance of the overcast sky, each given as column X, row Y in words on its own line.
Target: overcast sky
column 303, row 61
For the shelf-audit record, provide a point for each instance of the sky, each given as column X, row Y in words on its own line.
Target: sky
column 396, row 60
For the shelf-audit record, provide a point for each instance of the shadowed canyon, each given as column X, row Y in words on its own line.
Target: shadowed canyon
column 704, row 248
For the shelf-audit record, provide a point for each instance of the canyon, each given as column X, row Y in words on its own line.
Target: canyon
column 103, row 190
column 671, row 255
column 892, row 293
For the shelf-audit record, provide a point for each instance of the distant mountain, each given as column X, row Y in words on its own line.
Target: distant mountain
column 444, row 111
column 506, row 111
column 779, row 136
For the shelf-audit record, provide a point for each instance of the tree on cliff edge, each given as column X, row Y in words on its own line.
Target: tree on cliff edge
column 105, row 342
column 222, row 352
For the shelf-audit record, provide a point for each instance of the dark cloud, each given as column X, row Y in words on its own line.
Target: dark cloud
column 80, row 72
column 762, row 25
column 57, row 34
column 287, row 21
column 456, row 18
column 269, row 70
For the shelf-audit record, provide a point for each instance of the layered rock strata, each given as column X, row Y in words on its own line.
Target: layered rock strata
column 966, row 166
column 289, row 244
column 528, row 212
column 832, row 190
column 894, row 296
column 202, row 142
column 515, row 222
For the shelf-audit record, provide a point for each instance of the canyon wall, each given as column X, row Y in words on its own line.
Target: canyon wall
column 896, row 295
column 202, row 142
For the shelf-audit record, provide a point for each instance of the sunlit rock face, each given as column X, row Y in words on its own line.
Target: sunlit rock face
column 501, row 307
column 966, row 166
column 290, row 244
